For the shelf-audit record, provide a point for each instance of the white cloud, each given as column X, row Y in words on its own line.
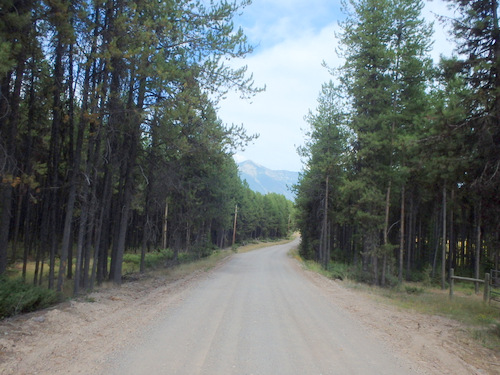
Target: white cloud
column 293, row 74
column 296, row 36
column 268, row 22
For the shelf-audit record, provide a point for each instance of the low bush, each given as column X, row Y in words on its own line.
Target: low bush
column 413, row 289
column 338, row 271
column 152, row 259
column 186, row 257
column 158, row 258
column 360, row 275
column 18, row 297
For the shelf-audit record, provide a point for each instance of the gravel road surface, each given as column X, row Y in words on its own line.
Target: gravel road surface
column 257, row 314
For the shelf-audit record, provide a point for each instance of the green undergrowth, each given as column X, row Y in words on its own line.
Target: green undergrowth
column 480, row 320
column 153, row 259
column 17, row 297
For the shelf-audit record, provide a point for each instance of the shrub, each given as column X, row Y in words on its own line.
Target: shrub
column 204, row 250
column 339, row 271
column 360, row 275
column 157, row 258
column 414, row 289
column 132, row 258
column 152, row 259
column 423, row 276
column 186, row 257
column 18, row 297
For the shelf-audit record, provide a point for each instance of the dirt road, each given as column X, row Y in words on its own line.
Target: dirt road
column 257, row 313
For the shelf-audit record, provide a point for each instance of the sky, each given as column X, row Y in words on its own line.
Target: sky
column 292, row 38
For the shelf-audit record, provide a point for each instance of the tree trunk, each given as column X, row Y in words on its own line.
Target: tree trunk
column 436, row 241
column 165, row 226
column 401, row 235
column 103, row 229
column 386, row 229
column 411, row 238
column 8, row 130
column 27, row 238
column 147, row 203
column 5, row 188
column 443, row 249
column 478, row 245
column 452, row 247
column 73, row 177
column 324, row 229
column 80, row 243
column 29, row 234
column 372, row 246
column 145, row 234
column 17, row 221
column 5, row 210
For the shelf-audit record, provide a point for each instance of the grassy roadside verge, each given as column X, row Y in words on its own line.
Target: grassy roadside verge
column 480, row 320
column 18, row 297
column 189, row 266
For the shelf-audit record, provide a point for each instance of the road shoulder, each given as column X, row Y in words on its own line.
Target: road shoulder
column 436, row 345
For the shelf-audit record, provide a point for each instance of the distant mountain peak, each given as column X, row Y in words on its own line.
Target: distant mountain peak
column 249, row 167
column 265, row 180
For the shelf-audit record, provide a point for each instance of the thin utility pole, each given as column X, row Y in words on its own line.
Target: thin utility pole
column 234, row 227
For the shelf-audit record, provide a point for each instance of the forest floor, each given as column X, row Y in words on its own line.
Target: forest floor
column 79, row 336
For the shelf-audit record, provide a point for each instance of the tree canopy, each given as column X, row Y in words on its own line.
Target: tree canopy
column 110, row 139
column 416, row 178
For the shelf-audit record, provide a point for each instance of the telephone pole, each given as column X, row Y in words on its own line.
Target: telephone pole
column 234, row 227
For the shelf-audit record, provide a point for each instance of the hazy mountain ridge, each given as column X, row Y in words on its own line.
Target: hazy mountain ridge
column 265, row 180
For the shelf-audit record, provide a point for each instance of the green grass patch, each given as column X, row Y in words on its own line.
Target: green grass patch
column 336, row 271
column 18, row 297
column 186, row 257
column 153, row 259
column 316, row 267
column 411, row 289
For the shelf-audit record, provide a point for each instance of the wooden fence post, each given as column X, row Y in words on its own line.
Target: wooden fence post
column 452, row 280
column 486, row 287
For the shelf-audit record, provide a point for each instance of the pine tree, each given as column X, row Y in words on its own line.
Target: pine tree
column 319, row 184
column 385, row 45
column 476, row 30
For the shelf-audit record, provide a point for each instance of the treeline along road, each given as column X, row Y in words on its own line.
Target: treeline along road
column 257, row 312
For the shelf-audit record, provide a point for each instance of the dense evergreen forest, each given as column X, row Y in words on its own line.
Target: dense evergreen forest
column 402, row 176
column 110, row 140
